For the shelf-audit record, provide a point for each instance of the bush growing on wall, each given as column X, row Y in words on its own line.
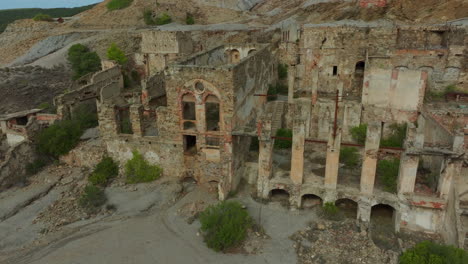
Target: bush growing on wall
column 118, row 4
column 163, row 19
column 83, row 61
column 283, row 143
column 430, row 253
column 349, row 156
column 397, row 137
column 359, row 133
column 225, row 225
column 189, row 20
column 388, row 170
column 116, row 54
column 104, row 172
column 139, row 170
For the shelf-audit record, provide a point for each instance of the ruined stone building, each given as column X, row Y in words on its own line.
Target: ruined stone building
column 197, row 114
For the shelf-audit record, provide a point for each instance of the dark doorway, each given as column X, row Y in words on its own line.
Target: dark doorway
column 190, row 145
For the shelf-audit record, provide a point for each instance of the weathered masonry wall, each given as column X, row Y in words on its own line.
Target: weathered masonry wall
column 13, row 166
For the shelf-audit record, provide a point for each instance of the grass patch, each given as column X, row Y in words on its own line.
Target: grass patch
column 139, row 170
column 427, row 252
column 283, row 143
column 225, row 225
column 105, row 170
column 359, row 133
column 387, row 171
column 92, row 199
column 331, row 212
column 43, row 17
column 396, row 138
column 118, row 4
column 349, row 156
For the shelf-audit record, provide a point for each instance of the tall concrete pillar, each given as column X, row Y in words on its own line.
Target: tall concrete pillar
column 265, row 161
column 408, row 172
column 201, row 120
column 369, row 164
column 447, row 174
column 297, row 157
column 333, row 159
column 291, row 83
column 135, row 119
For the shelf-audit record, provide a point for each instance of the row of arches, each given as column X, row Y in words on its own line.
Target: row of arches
column 380, row 213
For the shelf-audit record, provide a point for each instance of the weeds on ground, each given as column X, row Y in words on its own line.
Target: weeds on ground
column 139, row 170
column 92, row 199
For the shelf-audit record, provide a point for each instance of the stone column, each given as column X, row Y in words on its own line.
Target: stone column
column 369, row 164
column 408, row 172
column 333, row 159
column 291, row 83
column 135, row 119
column 201, row 120
column 265, row 156
column 364, row 210
column 447, row 174
column 297, row 157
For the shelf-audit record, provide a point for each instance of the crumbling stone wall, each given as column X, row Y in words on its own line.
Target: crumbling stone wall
column 13, row 166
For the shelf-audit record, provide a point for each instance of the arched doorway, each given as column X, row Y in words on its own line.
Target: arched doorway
column 311, row 201
column 359, row 74
column 383, row 226
column 235, row 56
column 279, row 195
column 348, row 207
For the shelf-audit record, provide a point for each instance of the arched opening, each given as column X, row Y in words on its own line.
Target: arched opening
column 359, row 74
column 235, row 56
column 213, row 186
column 252, row 51
column 188, row 183
column 311, row 201
column 188, row 107
column 279, row 195
column 212, row 114
column 348, row 207
column 383, row 226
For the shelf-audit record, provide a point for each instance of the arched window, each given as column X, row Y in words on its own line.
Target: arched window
column 212, row 114
column 188, row 107
column 235, row 56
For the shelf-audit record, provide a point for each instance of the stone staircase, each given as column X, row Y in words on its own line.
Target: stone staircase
column 276, row 108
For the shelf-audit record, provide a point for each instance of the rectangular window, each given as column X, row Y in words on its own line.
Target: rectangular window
column 335, row 70
column 123, row 121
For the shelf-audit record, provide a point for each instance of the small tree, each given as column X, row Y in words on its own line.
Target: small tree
column 116, row 54
column 359, row 133
column 430, row 253
column 83, row 61
column 139, row 170
column 225, row 225
column 104, row 171
column 92, row 198
column 42, row 17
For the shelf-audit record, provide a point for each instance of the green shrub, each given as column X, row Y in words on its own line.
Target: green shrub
column 349, row 156
column 92, row 199
column 396, row 138
column 148, row 17
column 283, row 143
column 42, row 17
column 282, row 71
column 63, row 136
column 430, row 253
column 190, row 20
column 359, row 133
column 104, row 171
column 139, row 170
column 116, row 54
column 83, row 61
column 36, row 166
column 47, row 108
column 118, row 4
column 330, row 211
column 163, row 19
column 225, row 225
column 388, row 170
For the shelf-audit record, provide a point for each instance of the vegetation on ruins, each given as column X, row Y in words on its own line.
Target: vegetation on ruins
column 283, row 143
column 330, row 211
column 43, row 17
column 116, row 54
column 225, row 225
column 139, row 170
column 47, row 108
column 349, row 156
column 396, row 138
column 282, row 71
column 432, row 253
column 92, row 199
column 148, row 17
column 387, row 171
column 10, row 15
column 272, row 93
column 63, row 136
column 435, row 96
column 83, row 61
column 118, row 4
column 163, row 19
column 359, row 133
column 105, row 170
column 36, row 166
column 189, row 20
